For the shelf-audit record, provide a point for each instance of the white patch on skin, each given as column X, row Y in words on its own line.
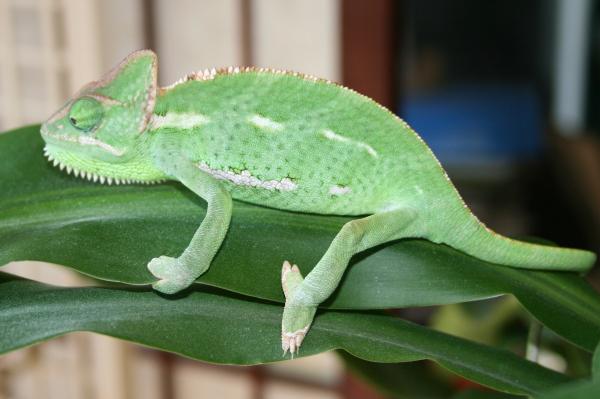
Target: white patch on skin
column 264, row 123
column 331, row 135
column 339, row 190
column 88, row 140
column 245, row 178
column 178, row 120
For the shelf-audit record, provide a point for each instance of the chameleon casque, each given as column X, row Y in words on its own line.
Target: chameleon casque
column 282, row 140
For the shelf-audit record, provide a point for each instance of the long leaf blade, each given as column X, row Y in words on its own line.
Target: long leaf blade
column 111, row 233
column 214, row 326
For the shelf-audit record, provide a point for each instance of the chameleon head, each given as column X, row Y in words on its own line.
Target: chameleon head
column 99, row 133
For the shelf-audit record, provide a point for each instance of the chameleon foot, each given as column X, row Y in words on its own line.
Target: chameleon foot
column 296, row 322
column 292, row 341
column 173, row 275
column 297, row 317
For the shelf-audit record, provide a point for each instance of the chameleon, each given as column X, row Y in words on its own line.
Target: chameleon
column 283, row 140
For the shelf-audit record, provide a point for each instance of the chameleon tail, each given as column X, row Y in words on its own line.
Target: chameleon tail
column 487, row 245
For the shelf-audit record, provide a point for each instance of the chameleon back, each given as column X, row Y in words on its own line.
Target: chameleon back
column 293, row 142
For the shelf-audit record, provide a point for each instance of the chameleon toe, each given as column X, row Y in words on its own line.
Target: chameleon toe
column 290, row 278
column 295, row 324
column 291, row 341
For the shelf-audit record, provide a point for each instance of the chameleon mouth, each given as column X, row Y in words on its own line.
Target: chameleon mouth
column 94, row 177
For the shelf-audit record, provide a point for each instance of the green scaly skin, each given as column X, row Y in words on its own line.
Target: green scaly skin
column 282, row 140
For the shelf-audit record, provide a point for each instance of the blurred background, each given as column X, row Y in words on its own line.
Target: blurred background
column 506, row 92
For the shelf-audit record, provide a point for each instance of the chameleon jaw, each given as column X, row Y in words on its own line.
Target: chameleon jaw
column 85, row 141
column 93, row 176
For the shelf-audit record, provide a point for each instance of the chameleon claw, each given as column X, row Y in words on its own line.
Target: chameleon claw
column 291, row 341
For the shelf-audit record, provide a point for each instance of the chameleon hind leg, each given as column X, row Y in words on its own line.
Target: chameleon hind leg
column 303, row 295
column 175, row 274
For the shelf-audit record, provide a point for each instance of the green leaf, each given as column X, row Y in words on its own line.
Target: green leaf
column 596, row 363
column 585, row 389
column 215, row 326
column 399, row 380
column 112, row 232
column 479, row 394
column 582, row 389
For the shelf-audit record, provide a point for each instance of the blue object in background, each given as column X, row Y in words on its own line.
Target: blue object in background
column 473, row 125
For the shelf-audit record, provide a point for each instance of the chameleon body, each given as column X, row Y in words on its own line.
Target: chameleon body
column 282, row 140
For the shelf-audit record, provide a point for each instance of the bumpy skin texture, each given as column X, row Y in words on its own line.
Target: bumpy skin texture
column 282, row 140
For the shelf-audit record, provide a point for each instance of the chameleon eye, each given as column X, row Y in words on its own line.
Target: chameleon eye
column 86, row 114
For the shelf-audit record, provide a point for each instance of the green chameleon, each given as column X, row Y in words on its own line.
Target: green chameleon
column 282, row 140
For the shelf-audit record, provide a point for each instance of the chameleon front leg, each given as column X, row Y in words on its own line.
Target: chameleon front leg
column 176, row 274
column 304, row 295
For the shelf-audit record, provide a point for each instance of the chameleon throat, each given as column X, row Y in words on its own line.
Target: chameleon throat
column 93, row 176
